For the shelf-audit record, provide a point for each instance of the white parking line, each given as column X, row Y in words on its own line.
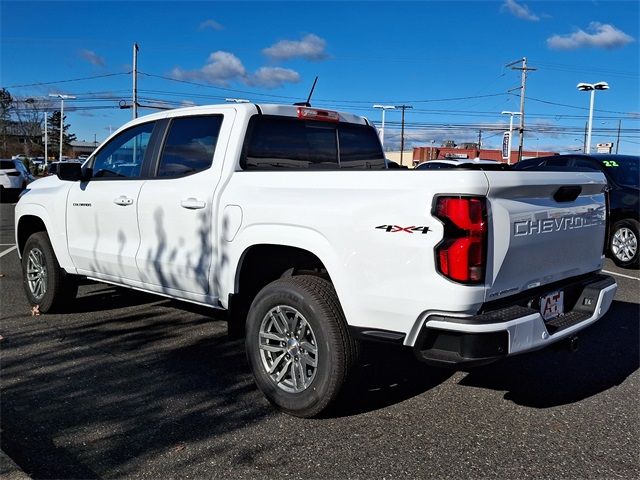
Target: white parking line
column 8, row 250
column 621, row 275
column 5, row 244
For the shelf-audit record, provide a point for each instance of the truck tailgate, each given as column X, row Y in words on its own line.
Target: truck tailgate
column 543, row 227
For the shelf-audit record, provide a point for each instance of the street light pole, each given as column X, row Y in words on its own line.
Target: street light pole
column 511, row 114
column 384, row 108
column 591, row 87
column 62, row 99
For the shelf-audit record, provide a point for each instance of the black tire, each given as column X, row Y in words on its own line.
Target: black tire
column 317, row 303
column 623, row 244
column 59, row 289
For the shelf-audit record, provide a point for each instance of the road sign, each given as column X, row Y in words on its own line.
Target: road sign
column 505, row 146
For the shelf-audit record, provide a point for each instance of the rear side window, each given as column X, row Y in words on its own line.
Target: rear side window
column 275, row 143
column 359, row 147
column 190, row 145
column 6, row 165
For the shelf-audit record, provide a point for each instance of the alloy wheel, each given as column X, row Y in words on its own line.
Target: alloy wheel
column 37, row 273
column 288, row 349
column 624, row 244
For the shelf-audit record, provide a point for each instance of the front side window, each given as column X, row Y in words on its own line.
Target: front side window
column 190, row 145
column 123, row 155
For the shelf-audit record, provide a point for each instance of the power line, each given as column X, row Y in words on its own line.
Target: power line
column 69, row 80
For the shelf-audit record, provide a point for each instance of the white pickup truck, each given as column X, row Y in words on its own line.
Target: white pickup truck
column 288, row 217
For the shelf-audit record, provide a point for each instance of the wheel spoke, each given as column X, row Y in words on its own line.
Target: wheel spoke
column 284, row 370
column 276, row 363
column 295, row 379
column 302, row 328
column 273, row 336
column 309, row 347
column 308, row 360
column 303, row 374
column 271, row 348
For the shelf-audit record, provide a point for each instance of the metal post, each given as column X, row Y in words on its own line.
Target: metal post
column 618, row 141
column 510, row 137
column 61, row 125
column 588, row 146
column 134, row 103
column 46, row 140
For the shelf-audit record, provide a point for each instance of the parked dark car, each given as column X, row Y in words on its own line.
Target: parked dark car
column 623, row 176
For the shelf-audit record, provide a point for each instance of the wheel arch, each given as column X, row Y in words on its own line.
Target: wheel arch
column 32, row 218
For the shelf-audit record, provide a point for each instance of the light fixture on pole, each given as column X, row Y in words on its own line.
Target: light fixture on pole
column 237, row 100
column 62, row 99
column 511, row 114
column 384, row 108
column 591, row 87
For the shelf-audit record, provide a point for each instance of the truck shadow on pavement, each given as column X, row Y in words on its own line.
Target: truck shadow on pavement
column 99, row 395
column 609, row 352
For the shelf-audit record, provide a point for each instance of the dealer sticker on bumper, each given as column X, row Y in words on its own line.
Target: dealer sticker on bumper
column 552, row 305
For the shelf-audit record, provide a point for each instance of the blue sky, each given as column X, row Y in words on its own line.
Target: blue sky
column 445, row 59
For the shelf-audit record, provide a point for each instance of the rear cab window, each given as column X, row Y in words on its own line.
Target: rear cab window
column 278, row 142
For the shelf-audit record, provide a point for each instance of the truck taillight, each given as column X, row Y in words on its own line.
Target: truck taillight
column 306, row 113
column 461, row 256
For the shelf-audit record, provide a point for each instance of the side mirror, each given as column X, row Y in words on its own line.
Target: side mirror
column 72, row 172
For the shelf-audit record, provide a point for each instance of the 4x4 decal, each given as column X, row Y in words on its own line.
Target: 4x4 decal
column 398, row 228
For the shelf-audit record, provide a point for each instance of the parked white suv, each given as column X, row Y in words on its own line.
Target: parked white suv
column 14, row 177
column 289, row 218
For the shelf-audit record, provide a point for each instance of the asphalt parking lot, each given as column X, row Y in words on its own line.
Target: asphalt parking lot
column 133, row 385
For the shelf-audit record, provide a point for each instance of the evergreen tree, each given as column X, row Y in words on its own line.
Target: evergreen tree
column 53, row 125
column 6, row 104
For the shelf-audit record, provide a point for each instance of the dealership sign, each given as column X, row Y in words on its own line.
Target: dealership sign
column 506, row 145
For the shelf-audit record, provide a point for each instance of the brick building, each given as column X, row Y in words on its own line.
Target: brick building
column 422, row 154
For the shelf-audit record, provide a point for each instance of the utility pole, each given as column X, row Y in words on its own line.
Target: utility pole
column 403, row 108
column 479, row 142
column 134, row 102
column 523, row 88
column 584, row 145
column 618, row 141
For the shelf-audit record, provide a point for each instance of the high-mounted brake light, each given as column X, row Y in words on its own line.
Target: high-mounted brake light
column 306, row 113
column 461, row 256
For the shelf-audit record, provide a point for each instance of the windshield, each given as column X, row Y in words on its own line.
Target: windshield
column 624, row 170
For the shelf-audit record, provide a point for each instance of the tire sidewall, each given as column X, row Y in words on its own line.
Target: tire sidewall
column 633, row 226
column 325, row 378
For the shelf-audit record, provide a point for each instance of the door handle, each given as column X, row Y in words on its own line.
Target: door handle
column 122, row 200
column 192, row 204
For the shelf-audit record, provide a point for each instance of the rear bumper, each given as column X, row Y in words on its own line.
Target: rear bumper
column 513, row 329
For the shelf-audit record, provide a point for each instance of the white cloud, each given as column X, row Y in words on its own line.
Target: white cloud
column 273, row 77
column 598, row 35
column 310, row 47
column 221, row 68
column 224, row 67
column 212, row 24
column 519, row 10
column 93, row 58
